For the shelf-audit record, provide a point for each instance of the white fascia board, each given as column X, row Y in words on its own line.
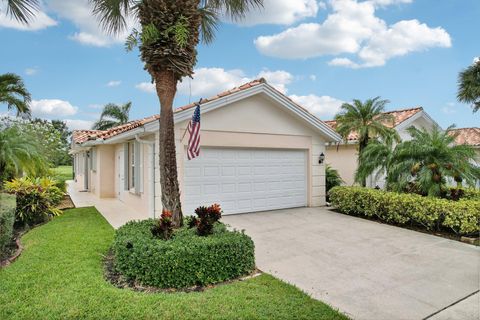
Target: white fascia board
column 421, row 114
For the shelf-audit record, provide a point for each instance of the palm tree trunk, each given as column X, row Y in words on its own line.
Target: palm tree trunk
column 166, row 85
column 361, row 146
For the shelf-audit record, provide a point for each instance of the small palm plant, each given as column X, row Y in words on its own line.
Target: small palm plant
column 332, row 178
column 366, row 119
column 429, row 159
column 14, row 94
column 469, row 86
column 113, row 115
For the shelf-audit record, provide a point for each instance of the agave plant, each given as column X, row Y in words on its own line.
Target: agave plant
column 171, row 31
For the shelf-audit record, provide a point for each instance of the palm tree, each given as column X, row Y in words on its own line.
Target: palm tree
column 113, row 115
column 429, row 159
column 377, row 157
column 366, row 119
column 171, row 30
column 22, row 10
column 332, row 178
column 469, row 86
column 14, row 94
column 19, row 153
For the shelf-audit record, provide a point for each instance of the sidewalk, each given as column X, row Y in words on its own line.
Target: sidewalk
column 113, row 210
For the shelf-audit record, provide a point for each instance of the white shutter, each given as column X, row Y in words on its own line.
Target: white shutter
column 126, row 167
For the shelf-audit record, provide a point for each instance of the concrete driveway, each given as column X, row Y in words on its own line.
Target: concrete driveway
column 366, row 269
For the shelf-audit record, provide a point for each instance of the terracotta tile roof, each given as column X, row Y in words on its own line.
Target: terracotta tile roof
column 80, row 136
column 470, row 136
column 399, row 116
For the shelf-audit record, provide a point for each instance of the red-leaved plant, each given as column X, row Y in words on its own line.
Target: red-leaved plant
column 163, row 229
column 206, row 218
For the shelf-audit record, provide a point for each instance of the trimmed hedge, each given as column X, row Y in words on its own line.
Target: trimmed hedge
column 7, row 219
column 463, row 216
column 183, row 261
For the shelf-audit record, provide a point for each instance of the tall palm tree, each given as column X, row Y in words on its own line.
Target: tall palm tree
column 469, row 85
column 171, row 30
column 14, row 94
column 377, row 157
column 366, row 119
column 22, row 10
column 19, row 153
column 113, row 115
column 429, row 159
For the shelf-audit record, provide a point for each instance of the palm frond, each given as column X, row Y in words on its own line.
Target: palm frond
column 22, row 10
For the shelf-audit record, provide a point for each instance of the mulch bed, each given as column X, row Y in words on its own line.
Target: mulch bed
column 473, row 239
column 14, row 250
column 119, row 281
column 66, row 203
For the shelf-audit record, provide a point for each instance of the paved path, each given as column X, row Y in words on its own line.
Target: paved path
column 113, row 210
column 366, row 269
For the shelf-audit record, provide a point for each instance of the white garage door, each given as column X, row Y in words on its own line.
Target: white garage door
column 246, row 180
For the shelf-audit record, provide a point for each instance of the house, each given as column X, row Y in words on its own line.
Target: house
column 471, row 137
column 259, row 151
column 343, row 156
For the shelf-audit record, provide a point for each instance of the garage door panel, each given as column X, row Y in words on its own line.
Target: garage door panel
column 245, row 180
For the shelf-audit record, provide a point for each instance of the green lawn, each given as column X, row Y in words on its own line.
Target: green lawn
column 63, row 172
column 59, row 276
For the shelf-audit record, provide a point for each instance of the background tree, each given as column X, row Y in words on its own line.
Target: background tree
column 21, row 10
column 171, row 30
column 14, row 94
column 429, row 159
column 332, row 178
column 113, row 115
column 377, row 157
column 366, row 119
column 469, row 85
column 19, row 153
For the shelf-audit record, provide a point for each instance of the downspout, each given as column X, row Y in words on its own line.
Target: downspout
column 152, row 172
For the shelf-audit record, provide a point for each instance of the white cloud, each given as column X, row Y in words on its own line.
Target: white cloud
column 284, row 12
column 353, row 28
column 95, row 106
column 79, row 12
column 31, row 71
column 207, row 82
column 41, row 20
column 476, row 60
column 146, row 87
column 312, row 77
column 48, row 108
column 449, row 108
column 114, row 83
column 324, row 107
column 76, row 124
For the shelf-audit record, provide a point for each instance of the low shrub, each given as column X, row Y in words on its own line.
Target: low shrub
column 7, row 218
column 36, row 199
column 462, row 217
column 183, row 261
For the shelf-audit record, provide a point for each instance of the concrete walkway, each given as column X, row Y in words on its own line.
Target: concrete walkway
column 114, row 211
column 366, row 269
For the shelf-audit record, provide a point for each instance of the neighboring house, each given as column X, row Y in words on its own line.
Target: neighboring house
column 343, row 156
column 259, row 151
column 471, row 137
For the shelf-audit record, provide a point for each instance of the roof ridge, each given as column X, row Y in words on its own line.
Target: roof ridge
column 403, row 110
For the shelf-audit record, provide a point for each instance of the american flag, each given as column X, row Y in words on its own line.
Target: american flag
column 193, row 149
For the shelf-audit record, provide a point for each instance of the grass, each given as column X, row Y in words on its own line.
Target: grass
column 59, row 276
column 63, row 172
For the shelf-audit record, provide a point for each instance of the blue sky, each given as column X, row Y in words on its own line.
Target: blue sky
column 320, row 53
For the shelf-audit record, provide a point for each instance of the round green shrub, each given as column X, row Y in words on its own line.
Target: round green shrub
column 183, row 261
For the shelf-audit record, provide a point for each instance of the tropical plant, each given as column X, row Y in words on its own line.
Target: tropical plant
column 36, row 199
column 21, row 10
column 113, row 115
column 171, row 30
column 377, row 157
column 332, row 178
column 19, row 153
column 365, row 119
column 206, row 219
column 163, row 228
column 14, row 94
column 428, row 159
column 469, row 85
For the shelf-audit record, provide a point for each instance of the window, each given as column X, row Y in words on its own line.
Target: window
column 133, row 166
